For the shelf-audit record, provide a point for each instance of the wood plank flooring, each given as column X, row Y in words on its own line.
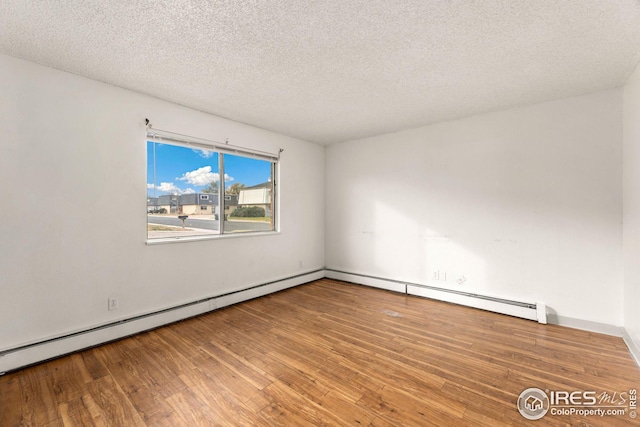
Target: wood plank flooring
column 323, row 354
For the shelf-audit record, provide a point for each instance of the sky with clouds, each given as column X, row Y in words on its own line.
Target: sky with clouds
column 183, row 170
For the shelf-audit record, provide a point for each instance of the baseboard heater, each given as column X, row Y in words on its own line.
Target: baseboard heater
column 35, row 352
column 531, row 311
column 525, row 310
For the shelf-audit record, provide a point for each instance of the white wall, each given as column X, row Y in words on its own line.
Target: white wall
column 525, row 203
column 73, row 198
column 632, row 209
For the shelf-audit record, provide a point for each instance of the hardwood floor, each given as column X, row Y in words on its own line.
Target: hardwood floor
column 325, row 353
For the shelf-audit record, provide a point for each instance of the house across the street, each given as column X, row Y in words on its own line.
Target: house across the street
column 258, row 195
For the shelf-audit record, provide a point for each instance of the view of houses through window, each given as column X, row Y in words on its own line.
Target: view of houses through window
column 185, row 196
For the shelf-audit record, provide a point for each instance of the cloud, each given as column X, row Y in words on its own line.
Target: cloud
column 171, row 188
column 200, row 177
column 203, row 176
column 205, row 154
column 166, row 187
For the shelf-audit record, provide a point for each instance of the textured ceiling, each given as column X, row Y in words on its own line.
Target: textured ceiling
column 334, row 70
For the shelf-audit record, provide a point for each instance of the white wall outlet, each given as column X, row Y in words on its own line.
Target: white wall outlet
column 114, row 303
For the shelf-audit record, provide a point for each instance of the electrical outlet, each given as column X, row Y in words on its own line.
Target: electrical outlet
column 440, row 276
column 113, row 303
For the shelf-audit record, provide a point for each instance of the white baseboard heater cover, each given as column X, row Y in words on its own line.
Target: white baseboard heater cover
column 531, row 311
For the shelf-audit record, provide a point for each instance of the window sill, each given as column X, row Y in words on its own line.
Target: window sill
column 165, row 240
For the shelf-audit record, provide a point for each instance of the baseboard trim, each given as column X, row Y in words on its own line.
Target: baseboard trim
column 22, row 356
column 634, row 348
column 362, row 279
column 585, row 325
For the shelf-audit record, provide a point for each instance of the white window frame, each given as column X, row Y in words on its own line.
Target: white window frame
column 171, row 138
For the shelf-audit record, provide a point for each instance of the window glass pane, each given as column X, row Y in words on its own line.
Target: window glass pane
column 249, row 195
column 182, row 191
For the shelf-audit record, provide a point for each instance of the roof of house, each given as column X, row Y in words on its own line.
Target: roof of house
column 193, row 199
column 263, row 185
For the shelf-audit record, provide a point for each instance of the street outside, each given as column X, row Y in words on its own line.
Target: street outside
column 202, row 225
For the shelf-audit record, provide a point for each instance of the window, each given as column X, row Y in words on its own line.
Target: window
column 251, row 200
column 184, row 180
